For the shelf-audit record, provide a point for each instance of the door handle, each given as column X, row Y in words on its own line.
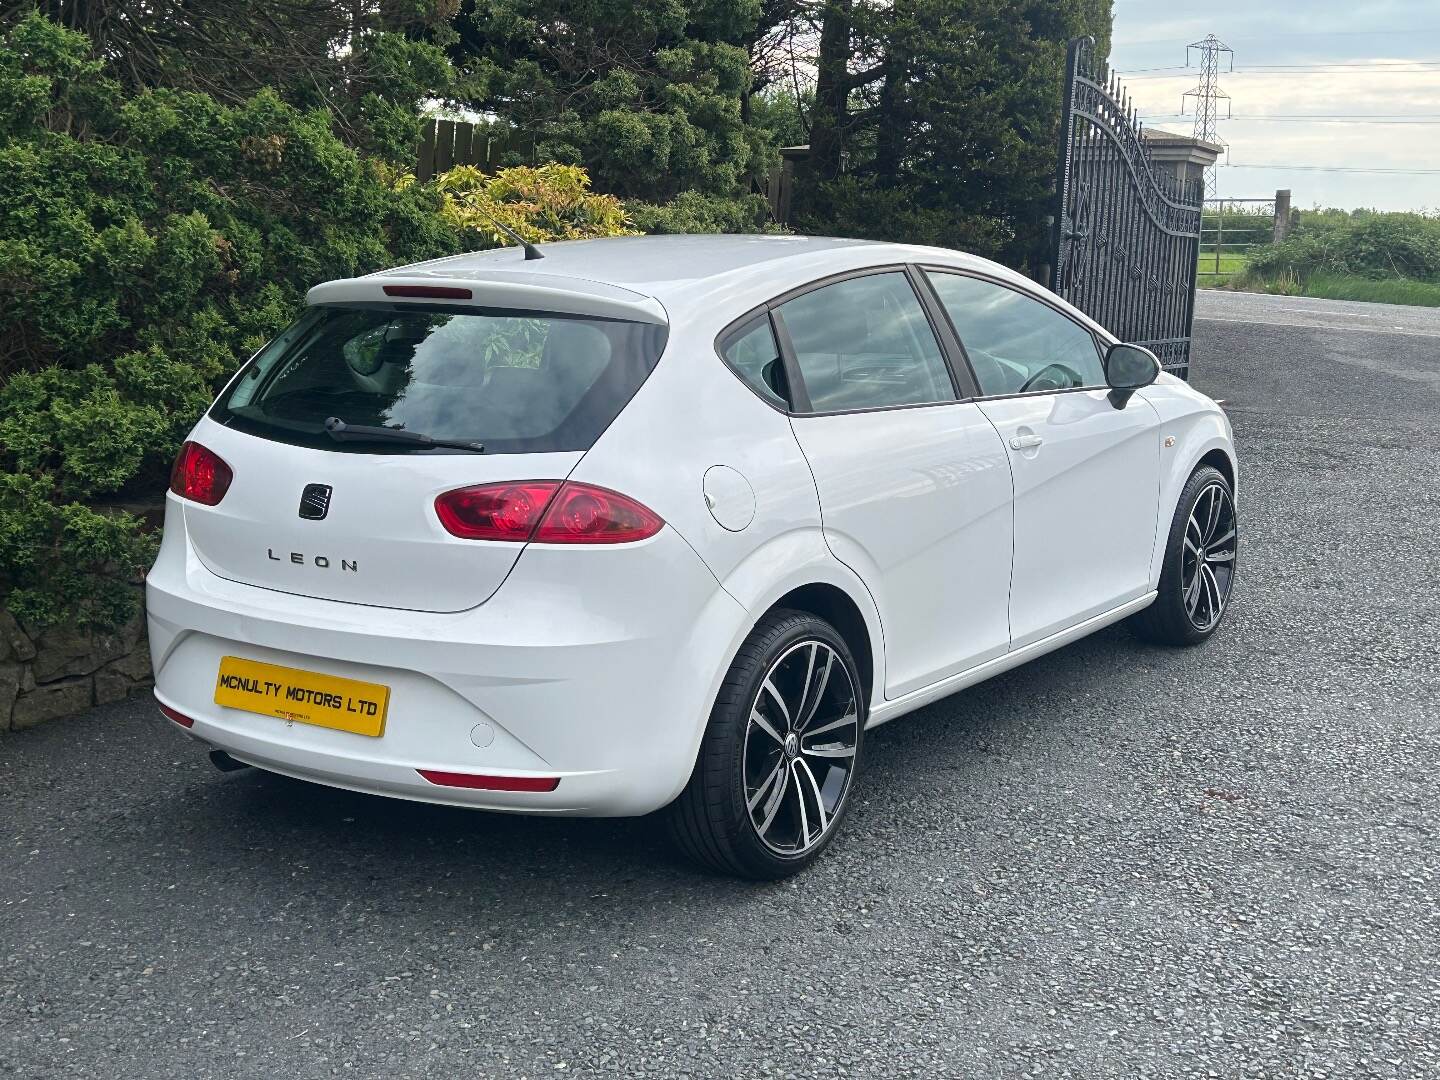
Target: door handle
column 1025, row 442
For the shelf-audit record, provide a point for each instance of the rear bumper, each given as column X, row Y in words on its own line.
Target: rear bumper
column 597, row 666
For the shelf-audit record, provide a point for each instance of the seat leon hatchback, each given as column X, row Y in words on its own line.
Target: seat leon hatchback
column 667, row 523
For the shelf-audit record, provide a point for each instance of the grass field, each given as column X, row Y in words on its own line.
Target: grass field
column 1231, row 263
column 1344, row 287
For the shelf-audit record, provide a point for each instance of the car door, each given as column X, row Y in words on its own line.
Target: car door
column 1086, row 472
column 913, row 482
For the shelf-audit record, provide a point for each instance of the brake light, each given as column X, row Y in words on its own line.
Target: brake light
column 546, row 512
column 200, row 475
column 433, row 292
column 490, row 783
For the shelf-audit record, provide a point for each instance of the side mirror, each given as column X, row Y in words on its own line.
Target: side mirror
column 1127, row 369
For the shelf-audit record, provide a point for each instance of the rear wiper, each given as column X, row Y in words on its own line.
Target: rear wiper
column 340, row 431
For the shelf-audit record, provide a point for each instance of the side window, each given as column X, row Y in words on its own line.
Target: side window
column 1016, row 344
column 752, row 352
column 864, row 343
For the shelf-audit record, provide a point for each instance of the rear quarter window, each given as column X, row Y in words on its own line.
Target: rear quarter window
column 752, row 353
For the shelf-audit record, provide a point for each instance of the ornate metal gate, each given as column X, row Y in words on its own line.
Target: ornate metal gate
column 1127, row 232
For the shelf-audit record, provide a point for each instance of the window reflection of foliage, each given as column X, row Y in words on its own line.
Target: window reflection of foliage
column 501, row 341
column 362, row 351
column 515, row 342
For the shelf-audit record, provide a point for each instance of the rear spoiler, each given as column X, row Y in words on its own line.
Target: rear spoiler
column 506, row 290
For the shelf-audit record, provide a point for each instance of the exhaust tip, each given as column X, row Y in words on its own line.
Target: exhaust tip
column 225, row 763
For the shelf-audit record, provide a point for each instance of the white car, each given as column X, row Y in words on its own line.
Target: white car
column 668, row 522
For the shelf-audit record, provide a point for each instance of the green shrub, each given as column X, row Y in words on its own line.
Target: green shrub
column 546, row 202
column 865, row 208
column 148, row 243
column 1364, row 244
column 151, row 239
column 694, row 212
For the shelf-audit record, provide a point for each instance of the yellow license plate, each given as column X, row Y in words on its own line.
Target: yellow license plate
column 303, row 696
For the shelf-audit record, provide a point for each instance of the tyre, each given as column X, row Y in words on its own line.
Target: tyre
column 1199, row 570
column 780, row 753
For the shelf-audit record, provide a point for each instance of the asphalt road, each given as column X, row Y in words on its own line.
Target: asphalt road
column 1118, row 861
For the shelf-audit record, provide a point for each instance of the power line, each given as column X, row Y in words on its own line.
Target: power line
column 1407, row 31
column 1208, row 95
column 1319, row 65
column 1308, row 120
column 1383, row 64
column 1335, row 168
column 1354, row 123
column 1180, row 74
column 1328, row 116
column 1314, row 116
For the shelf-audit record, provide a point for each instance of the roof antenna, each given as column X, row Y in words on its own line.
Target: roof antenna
column 531, row 251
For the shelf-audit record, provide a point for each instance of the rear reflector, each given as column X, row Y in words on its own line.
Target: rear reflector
column 432, row 292
column 179, row 717
column 490, row 783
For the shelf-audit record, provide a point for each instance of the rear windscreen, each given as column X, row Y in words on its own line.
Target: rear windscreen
column 515, row 381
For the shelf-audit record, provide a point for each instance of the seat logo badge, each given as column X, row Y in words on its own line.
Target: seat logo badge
column 315, row 502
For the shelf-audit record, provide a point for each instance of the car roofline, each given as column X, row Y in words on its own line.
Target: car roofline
column 499, row 289
column 563, row 285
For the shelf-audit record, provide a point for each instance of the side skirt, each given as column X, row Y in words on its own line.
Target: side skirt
column 916, row 699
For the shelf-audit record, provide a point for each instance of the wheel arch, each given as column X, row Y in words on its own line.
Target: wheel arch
column 835, row 606
column 1201, row 437
column 798, row 570
column 1221, row 462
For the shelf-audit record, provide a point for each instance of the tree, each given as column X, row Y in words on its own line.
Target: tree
column 647, row 94
column 782, row 115
column 369, row 63
column 150, row 240
column 936, row 120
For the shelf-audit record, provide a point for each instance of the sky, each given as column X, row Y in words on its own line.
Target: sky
column 1347, row 85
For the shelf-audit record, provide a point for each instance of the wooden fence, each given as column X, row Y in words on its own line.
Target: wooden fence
column 445, row 143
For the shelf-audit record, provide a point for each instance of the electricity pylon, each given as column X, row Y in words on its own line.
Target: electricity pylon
column 1208, row 96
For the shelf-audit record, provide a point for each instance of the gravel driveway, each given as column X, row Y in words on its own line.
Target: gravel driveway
column 1117, row 861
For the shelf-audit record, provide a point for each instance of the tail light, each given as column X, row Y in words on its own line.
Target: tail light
column 495, row 511
column 200, row 475
column 546, row 512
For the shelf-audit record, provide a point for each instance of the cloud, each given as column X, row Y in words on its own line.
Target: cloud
column 1363, row 36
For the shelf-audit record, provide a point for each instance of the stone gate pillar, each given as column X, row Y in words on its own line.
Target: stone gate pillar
column 1182, row 156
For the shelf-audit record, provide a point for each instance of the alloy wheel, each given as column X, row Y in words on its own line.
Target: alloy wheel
column 800, row 745
column 1207, row 561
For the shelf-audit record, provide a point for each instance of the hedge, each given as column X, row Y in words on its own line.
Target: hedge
column 150, row 240
column 1365, row 243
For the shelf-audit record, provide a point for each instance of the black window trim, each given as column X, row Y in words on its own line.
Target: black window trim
column 926, row 269
column 794, row 379
column 962, row 379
